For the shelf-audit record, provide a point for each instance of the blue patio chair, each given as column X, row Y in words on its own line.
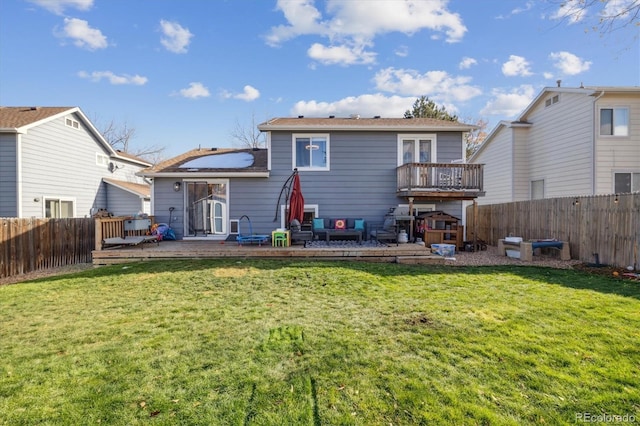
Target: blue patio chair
column 249, row 237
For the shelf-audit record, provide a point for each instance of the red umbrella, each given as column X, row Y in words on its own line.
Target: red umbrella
column 296, row 202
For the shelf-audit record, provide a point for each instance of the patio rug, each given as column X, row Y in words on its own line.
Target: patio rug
column 343, row 244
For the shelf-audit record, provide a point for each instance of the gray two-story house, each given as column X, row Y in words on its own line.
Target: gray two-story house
column 54, row 163
column 348, row 167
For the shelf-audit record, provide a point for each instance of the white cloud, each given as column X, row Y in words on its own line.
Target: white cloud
column 516, row 66
column 402, row 51
column 568, row 63
column 113, row 78
column 466, row 63
column 176, row 38
column 572, row 11
column 58, row 6
column 194, row 91
column 248, row 94
column 365, row 105
column 82, row 34
column 357, row 23
column 437, row 85
column 509, row 103
column 343, row 55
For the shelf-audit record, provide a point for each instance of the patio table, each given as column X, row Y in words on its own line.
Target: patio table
column 344, row 233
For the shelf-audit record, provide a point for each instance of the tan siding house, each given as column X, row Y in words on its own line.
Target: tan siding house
column 567, row 142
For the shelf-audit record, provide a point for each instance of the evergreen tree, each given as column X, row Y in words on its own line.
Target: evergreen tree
column 424, row 107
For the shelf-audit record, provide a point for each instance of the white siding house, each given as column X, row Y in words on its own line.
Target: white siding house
column 567, row 142
column 53, row 163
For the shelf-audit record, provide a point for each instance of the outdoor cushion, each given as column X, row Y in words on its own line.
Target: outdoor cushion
column 318, row 223
column 359, row 224
column 389, row 224
column 340, row 224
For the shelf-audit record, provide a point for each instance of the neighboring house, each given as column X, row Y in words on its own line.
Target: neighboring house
column 54, row 163
column 348, row 167
column 567, row 142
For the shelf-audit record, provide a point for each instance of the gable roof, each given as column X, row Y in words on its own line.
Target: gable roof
column 585, row 90
column 356, row 123
column 140, row 189
column 179, row 166
column 21, row 119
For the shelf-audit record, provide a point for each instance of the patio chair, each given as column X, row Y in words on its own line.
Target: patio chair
column 249, row 237
column 388, row 231
column 297, row 234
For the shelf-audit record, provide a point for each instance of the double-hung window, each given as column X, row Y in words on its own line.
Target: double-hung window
column 311, row 152
column 614, row 121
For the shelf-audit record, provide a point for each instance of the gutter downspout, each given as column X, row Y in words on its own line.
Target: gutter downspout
column 593, row 144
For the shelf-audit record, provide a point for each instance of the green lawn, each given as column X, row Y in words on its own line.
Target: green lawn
column 318, row 343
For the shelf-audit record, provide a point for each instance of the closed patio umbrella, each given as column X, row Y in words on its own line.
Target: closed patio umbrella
column 296, row 201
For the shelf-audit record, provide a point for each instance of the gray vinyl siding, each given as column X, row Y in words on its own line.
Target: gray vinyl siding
column 60, row 162
column 616, row 154
column 8, row 176
column 521, row 178
column 498, row 168
column 122, row 203
column 360, row 184
column 560, row 145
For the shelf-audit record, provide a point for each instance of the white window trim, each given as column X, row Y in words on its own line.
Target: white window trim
column 46, row 198
column 613, row 108
column 185, row 225
column 310, row 135
column 531, row 188
column 102, row 159
column 416, row 137
column 624, row 171
column 307, row 208
column 71, row 122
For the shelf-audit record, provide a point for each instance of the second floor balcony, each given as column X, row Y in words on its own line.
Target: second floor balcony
column 440, row 181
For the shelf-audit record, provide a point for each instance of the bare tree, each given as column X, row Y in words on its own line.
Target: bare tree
column 474, row 138
column 248, row 136
column 120, row 136
column 610, row 15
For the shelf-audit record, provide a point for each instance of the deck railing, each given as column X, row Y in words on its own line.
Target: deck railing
column 110, row 227
column 440, row 176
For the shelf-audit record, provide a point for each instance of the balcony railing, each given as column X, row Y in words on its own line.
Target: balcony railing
column 434, row 179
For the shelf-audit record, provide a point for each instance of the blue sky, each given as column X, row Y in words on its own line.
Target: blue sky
column 186, row 73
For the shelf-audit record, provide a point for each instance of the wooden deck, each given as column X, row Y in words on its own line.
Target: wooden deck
column 403, row 253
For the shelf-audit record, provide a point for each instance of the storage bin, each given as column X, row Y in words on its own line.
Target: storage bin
column 446, row 250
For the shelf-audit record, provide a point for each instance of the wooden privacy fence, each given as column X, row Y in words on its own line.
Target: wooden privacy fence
column 28, row 245
column 608, row 225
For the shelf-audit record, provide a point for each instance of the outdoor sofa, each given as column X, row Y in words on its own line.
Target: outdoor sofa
column 325, row 228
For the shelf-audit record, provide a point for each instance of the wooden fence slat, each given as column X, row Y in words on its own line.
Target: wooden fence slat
column 590, row 224
column 28, row 245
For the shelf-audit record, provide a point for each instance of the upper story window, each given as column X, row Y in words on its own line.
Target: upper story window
column 614, row 121
column 416, row 149
column 102, row 160
column 311, row 152
column 552, row 100
column 72, row 123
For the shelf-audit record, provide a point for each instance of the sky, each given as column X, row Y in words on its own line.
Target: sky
column 190, row 73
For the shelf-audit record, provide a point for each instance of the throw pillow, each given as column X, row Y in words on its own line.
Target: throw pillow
column 295, row 225
column 318, row 223
column 359, row 225
column 340, row 224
